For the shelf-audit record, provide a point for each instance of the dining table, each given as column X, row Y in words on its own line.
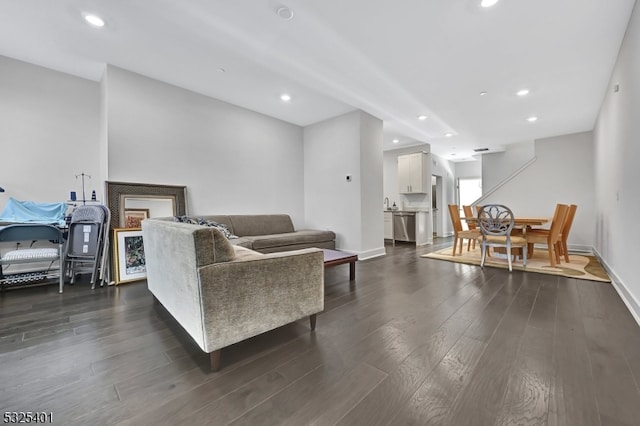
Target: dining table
column 520, row 222
column 523, row 222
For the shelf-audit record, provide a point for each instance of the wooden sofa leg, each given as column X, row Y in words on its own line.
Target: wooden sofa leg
column 214, row 359
column 312, row 321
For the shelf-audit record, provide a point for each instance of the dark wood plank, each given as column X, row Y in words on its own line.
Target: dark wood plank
column 411, row 341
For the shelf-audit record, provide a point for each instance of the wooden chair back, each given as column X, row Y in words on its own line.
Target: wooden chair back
column 469, row 213
column 557, row 223
column 454, row 213
column 568, row 221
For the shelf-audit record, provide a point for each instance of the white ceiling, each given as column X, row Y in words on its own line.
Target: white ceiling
column 394, row 59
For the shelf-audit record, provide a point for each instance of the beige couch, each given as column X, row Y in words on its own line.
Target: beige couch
column 222, row 294
column 268, row 233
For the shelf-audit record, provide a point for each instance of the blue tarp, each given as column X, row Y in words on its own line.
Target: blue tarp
column 31, row 212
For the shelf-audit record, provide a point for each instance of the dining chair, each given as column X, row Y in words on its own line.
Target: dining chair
column 459, row 233
column 564, row 234
column 470, row 225
column 496, row 223
column 551, row 236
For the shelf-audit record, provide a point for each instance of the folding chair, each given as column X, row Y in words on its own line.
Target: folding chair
column 87, row 243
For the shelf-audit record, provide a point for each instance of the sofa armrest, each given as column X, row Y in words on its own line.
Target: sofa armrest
column 244, row 298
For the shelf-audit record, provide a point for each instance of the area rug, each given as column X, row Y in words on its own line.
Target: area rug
column 582, row 266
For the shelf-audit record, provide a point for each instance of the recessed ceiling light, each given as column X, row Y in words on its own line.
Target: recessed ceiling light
column 396, row 140
column 285, row 13
column 285, row 97
column 94, row 20
column 532, row 119
column 483, row 93
column 422, row 117
column 488, row 3
column 523, row 92
column 448, row 134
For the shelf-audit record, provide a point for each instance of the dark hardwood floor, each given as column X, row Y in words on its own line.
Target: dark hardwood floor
column 411, row 341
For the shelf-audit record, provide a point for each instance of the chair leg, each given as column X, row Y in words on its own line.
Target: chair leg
column 62, row 262
column 558, row 252
column 312, row 322
column 215, row 360
column 455, row 244
column 524, row 255
column 552, row 255
column 484, row 253
column 565, row 251
column 509, row 256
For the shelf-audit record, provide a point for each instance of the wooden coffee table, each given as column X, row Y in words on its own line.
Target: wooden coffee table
column 335, row 257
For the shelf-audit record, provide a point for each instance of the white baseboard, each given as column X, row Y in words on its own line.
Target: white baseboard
column 577, row 248
column 627, row 297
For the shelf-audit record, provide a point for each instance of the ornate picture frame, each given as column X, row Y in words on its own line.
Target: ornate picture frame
column 128, row 255
column 133, row 217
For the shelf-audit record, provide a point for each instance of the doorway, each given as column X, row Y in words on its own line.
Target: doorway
column 437, row 197
column 469, row 191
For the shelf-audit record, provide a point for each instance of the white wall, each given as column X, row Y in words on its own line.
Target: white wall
column 617, row 151
column 350, row 144
column 445, row 169
column 469, row 169
column 372, row 217
column 498, row 166
column 48, row 133
column 562, row 173
column 232, row 160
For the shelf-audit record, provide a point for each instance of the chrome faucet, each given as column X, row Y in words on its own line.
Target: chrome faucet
column 386, row 202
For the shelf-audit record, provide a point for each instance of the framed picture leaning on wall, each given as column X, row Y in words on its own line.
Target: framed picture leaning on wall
column 133, row 217
column 128, row 254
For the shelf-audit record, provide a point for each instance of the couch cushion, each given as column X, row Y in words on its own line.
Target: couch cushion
column 224, row 250
column 206, row 221
column 224, row 219
column 304, row 236
column 261, row 224
column 243, row 253
column 242, row 242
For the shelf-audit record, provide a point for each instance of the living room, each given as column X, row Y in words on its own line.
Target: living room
column 133, row 128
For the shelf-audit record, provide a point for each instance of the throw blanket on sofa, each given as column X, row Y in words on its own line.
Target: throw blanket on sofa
column 31, row 212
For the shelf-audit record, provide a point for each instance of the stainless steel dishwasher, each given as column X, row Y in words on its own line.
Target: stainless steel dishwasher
column 404, row 226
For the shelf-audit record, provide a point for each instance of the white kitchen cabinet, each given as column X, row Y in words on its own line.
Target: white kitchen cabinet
column 412, row 173
column 388, row 225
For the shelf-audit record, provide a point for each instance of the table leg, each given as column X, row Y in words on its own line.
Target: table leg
column 352, row 270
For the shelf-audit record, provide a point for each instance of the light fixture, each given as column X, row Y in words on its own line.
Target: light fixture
column 448, row 134
column 94, row 20
column 532, row 119
column 422, row 117
column 396, row 140
column 523, row 92
column 285, row 13
column 483, row 93
column 488, row 3
column 285, row 97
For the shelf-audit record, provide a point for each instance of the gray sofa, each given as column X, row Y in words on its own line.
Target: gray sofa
column 268, row 233
column 222, row 294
